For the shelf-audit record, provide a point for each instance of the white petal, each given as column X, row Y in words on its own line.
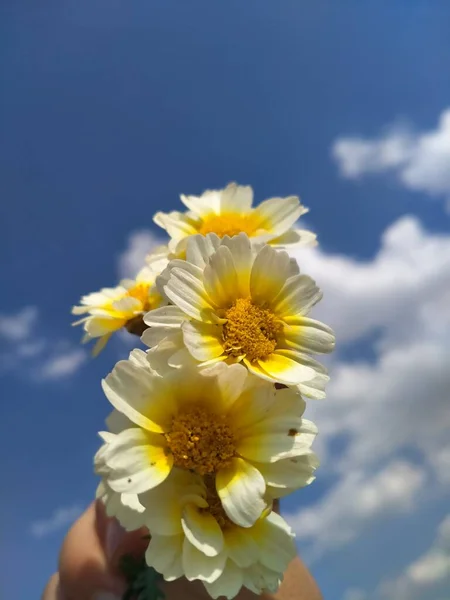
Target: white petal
column 175, row 223
column 308, row 336
column 286, row 366
column 117, row 422
column 228, row 584
column 297, row 297
column 166, row 316
column 202, row 340
column 236, row 199
column 241, row 250
column 197, row 565
column 189, row 294
column 220, row 278
column 276, row 543
column 278, row 214
column 140, row 395
column 241, row 489
column 241, row 547
column 271, row 447
column 137, row 461
column 294, row 238
column 269, row 274
column 200, row 248
column 202, row 530
column 207, row 203
column 164, row 554
column 295, row 472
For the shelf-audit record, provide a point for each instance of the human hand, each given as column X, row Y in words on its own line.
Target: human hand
column 90, row 555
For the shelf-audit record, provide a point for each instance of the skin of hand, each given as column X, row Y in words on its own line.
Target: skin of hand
column 88, row 566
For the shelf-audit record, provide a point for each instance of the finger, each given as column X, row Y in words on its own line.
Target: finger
column 52, row 590
column 89, row 558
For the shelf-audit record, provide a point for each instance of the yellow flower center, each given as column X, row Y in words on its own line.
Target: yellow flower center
column 140, row 292
column 200, row 440
column 229, row 224
column 250, row 330
column 215, row 507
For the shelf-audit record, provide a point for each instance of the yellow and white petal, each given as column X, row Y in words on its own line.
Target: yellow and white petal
column 196, row 565
column 100, row 344
column 127, row 306
column 292, row 473
column 241, row 488
column 188, row 293
column 228, row 584
column 297, row 297
column 315, row 388
column 137, row 461
column 276, row 542
column 159, row 357
column 286, row 367
column 220, row 278
column 277, row 215
column 155, row 335
column 269, row 273
column 202, row 530
column 294, row 238
column 241, row 249
column 117, row 422
column 280, row 413
column 258, row 579
column 241, row 547
column 99, row 326
column 140, row 396
column 203, row 340
column 207, row 203
column 164, row 555
column 167, row 316
column 200, row 248
column 271, row 447
column 177, row 225
column 236, row 199
column 230, row 384
column 308, row 335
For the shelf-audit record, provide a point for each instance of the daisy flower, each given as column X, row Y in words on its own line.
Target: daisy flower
column 236, row 303
column 192, row 536
column 222, row 423
column 110, row 309
column 229, row 212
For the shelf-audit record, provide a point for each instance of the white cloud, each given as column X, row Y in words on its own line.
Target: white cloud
column 139, row 244
column 355, row 594
column 62, row 364
column 419, row 160
column 61, row 518
column 357, row 500
column 382, row 406
column 17, row 326
column 427, row 577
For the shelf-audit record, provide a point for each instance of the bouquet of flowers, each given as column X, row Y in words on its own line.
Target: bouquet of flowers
column 207, row 430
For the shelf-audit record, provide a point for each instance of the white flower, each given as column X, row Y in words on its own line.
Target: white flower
column 221, row 423
column 110, row 309
column 192, row 536
column 235, row 303
column 125, row 507
column 229, row 212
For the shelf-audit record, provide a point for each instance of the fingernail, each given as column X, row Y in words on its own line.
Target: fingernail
column 106, row 596
column 114, row 535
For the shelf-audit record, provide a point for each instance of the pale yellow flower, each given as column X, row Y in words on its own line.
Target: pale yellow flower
column 192, row 536
column 110, row 309
column 237, row 303
column 222, row 423
column 229, row 212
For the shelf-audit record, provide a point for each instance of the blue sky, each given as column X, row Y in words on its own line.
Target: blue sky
column 108, row 111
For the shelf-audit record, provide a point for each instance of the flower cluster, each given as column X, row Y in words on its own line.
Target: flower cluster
column 207, row 427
